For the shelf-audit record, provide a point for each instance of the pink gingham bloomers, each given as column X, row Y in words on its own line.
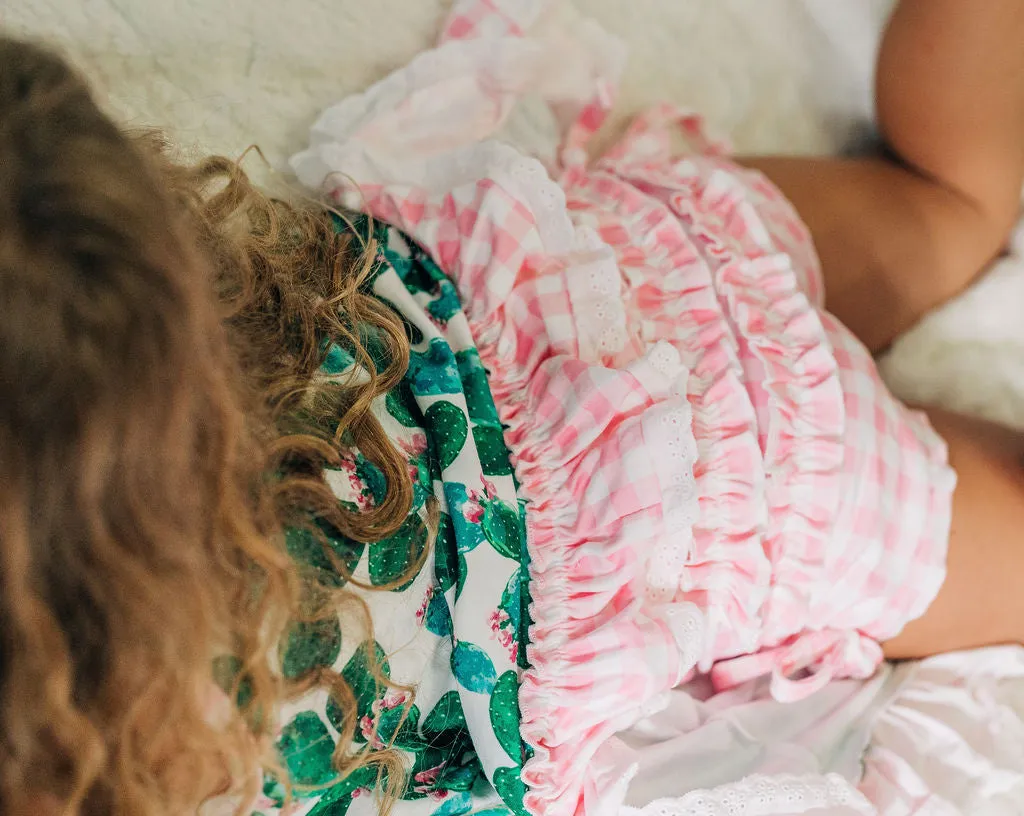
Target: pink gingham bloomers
column 716, row 478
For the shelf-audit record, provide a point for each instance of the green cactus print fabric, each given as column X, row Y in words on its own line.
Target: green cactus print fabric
column 455, row 632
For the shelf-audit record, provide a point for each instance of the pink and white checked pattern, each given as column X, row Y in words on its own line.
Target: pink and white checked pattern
column 717, row 478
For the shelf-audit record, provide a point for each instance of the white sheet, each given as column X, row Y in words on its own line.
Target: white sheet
column 944, row 737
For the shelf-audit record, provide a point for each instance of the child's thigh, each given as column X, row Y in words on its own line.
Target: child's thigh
column 981, row 602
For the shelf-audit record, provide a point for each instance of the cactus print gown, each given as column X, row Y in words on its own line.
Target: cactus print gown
column 455, row 630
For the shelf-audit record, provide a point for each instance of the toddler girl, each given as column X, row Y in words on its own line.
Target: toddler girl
column 443, row 507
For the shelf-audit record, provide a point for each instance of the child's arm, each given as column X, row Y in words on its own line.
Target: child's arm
column 898, row 236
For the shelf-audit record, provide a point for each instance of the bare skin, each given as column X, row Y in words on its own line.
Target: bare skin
column 981, row 602
column 899, row 235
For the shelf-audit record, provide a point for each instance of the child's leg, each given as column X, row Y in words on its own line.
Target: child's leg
column 982, row 600
column 899, row 235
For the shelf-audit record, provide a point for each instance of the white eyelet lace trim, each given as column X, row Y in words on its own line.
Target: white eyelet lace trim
column 595, row 291
column 667, row 562
column 687, row 624
column 762, row 796
column 664, row 358
column 529, row 181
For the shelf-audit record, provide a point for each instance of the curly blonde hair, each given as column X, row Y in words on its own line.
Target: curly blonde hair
column 161, row 425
